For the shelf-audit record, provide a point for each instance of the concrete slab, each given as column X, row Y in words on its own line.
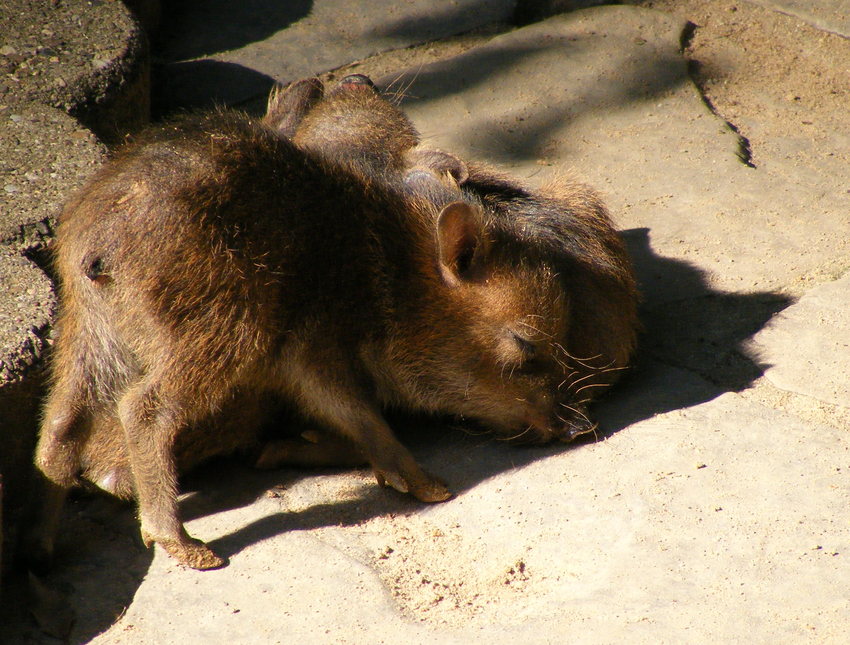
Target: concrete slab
column 829, row 15
column 699, row 516
column 703, row 523
column 607, row 91
column 806, row 348
column 220, row 52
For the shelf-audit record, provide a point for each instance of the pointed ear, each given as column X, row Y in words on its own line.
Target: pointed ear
column 288, row 105
column 459, row 239
column 439, row 162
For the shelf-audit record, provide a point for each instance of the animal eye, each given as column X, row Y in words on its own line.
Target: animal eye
column 528, row 348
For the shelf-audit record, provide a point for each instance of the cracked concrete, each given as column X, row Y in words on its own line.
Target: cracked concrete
column 715, row 501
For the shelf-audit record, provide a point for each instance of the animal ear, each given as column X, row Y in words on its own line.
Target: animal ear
column 459, row 241
column 288, row 105
column 439, row 162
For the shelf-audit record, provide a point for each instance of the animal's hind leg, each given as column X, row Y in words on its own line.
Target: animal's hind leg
column 63, row 430
column 312, row 448
column 37, row 539
column 57, row 458
column 151, row 418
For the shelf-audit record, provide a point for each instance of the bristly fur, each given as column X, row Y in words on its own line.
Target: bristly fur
column 313, row 257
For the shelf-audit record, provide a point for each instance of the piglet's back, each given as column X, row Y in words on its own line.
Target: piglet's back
column 215, row 237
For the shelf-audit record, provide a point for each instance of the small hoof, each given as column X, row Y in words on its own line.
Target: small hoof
column 188, row 551
column 430, row 489
column 194, row 554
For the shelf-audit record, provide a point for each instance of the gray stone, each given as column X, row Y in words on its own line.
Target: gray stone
column 44, row 155
column 829, row 15
column 57, row 46
column 24, row 314
column 806, row 348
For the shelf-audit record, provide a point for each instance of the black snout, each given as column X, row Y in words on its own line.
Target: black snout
column 356, row 80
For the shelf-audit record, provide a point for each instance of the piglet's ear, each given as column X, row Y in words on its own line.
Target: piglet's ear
column 288, row 105
column 459, row 240
column 439, row 162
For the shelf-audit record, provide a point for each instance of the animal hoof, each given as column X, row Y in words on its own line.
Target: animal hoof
column 188, row 551
column 194, row 554
column 425, row 488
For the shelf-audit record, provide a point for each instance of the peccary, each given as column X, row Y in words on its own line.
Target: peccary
column 565, row 221
column 219, row 260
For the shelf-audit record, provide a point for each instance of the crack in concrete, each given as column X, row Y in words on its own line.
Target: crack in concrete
column 745, row 151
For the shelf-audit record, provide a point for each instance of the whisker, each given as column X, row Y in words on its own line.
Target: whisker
column 402, row 94
column 561, row 363
column 515, row 437
column 581, row 361
column 584, row 387
column 577, row 411
column 533, row 328
column 391, row 85
column 596, row 373
column 583, row 378
column 613, row 369
column 468, row 431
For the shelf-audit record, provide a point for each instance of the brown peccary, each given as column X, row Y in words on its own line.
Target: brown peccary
column 215, row 260
column 564, row 221
column 351, row 125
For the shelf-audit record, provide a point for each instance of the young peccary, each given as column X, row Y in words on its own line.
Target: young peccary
column 565, row 222
column 215, row 261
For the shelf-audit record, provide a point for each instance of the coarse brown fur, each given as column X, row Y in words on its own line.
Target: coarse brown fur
column 219, row 260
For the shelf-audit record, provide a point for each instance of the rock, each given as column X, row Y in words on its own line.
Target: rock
column 829, row 15
column 806, row 348
column 44, row 155
column 57, row 45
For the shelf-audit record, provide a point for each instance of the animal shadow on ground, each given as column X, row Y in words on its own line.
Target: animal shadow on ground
column 204, row 84
column 690, row 353
column 195, row 29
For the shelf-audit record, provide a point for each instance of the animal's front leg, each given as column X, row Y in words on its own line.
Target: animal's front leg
column 392, row 463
